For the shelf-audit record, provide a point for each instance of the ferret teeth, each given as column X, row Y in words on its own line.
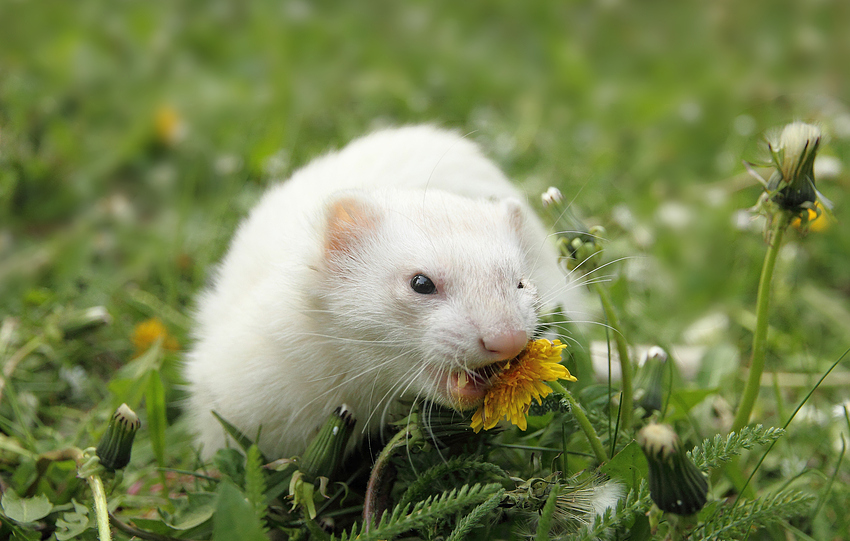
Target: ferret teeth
column 461, row 379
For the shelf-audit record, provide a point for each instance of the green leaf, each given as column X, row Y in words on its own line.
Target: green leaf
column 25, row 509
column 231, row 463
column 427, row 482
column 718, row 364
column 255, row 482
column 192, row 511
column 640, row 530
column 202, row 530
column 244, row 441
column 714, row 452
column 424, row 513
column 155, row 406
column 19, row 534
column 156, row 526
column 636, row 503
column 73, row 523
column 131, row 382
column 738, row 522
column 545, row 522
column 475, row 517
column 235, row 519
column 127, row 390
column 629, row 466
column 684, row 400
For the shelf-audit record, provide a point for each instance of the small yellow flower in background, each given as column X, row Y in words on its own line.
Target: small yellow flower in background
column 170, row 127
column 520, row 382
column 146, row 333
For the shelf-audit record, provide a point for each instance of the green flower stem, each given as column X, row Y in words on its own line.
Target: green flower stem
column 371, row 507
column 751, row 389
column 627, row 401
column 100, row 509
column 89, row 467
column 583, row 421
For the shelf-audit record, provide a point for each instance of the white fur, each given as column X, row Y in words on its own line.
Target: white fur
column 291, row 329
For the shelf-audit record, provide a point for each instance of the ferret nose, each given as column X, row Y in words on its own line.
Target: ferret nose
column 505, row 345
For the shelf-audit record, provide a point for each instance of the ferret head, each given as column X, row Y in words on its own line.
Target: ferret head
column 427, row 290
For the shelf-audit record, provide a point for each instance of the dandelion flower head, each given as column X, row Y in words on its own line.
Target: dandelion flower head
column 522, row 380
column 146, row 333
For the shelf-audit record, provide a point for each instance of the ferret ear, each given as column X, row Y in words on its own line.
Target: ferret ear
column 349, row 219
column 528, row 230
column 516, row 213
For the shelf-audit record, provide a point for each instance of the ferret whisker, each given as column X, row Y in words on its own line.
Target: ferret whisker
column 337, row 339
column 365, row 372
column 600, row 267
column 387, row 403
column 345, row 382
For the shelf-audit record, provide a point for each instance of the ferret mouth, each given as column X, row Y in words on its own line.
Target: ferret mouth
column 467, row 388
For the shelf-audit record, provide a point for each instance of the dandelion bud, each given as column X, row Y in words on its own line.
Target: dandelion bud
column 78, row 322
column 794, row 156
column 582, row 249
column 676, row 485
column 652, row 379
column 325, row 452
column 115, row 445
column 552, row 196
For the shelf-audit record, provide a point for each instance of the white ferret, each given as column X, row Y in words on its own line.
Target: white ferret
column 378, row 273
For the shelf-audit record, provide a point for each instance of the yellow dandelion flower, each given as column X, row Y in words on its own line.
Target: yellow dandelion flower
column 520, row 382
column 816, row 220
column 146, row 333
column 169, row 126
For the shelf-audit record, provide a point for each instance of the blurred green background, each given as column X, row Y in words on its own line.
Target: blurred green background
column 134, row 135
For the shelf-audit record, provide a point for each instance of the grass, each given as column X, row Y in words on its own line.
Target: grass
column 134, row 136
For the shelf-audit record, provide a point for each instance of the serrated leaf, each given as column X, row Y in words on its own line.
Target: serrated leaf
column 475, row 517
column 544, row 523
column 25, row 509
column 427, row 481
column 714, row 452
column 72, row 523
column 405, row 518
column 255, row 482
column 738, row 522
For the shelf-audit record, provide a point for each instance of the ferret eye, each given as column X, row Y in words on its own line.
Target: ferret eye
column 520, row 285
column 422, row 284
